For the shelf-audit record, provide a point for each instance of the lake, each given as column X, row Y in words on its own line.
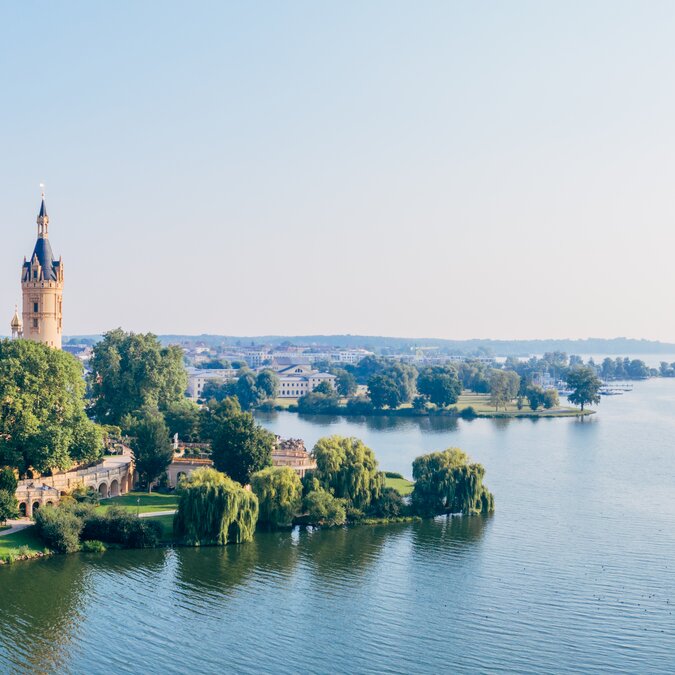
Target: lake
column 574, row 572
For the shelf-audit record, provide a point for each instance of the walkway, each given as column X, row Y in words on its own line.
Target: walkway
column 152, row 514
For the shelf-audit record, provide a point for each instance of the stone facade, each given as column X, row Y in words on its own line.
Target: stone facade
column 112, row 477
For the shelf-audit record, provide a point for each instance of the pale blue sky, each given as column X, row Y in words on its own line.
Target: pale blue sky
column 440, row 169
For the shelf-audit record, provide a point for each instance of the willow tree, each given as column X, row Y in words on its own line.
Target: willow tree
column 279, row 493
column 213, row 510
column 448, row 482
column 347, row 468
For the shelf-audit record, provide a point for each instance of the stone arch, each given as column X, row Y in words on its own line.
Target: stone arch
column 181, row 475
column 23, row 509
column 36, row 507
column 103, row 490
column 50, row 503
column 114, row 488
column 64, row 493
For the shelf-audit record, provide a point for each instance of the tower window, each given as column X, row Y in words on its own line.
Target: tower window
column 35, row 307
column 35, row 323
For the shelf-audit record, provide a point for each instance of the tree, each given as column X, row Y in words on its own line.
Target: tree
column 151, row 445
column 535, row 396
column 213, row 389
column 130, row 371
column 324, row 387
column 324, row 509
column 440, row 385
column 247, row 392
column 608, row 369
column 8, row 480
column 346, row 383
column 504, row 387
column 585, row 386
column 383, row 391
column 447, row 482
column 267, row 384
column 317, row 403
column 347, row 468
column 182, row 418
column 43, row 424
column 279, row 493
column 550, row 399
column 213, row 414
column 59, row 528
column 214, row 510
column 240, row 447
column 9, row 507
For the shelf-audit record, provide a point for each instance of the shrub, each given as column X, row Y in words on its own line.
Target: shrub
column 324, row 509
column 468, row 413
column 59, row 528
column 389, row 505
column 93, row 546
column 394, row 474
column 551, row 399
column 86, row 495
column 360, row 406
column 118, row 526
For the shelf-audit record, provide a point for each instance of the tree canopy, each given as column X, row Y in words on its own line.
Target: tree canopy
column 279, row 493
column 43, row 424
column 150, row 443
column 440, row 385
column 504, row 386
column 585, row 386
column 347, row 468
column 214, row 510
column 240, row 447
column 447, row 482
column 130, row 371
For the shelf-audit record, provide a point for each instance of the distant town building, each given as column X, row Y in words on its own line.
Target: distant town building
column 198, row 377
column 300, row 379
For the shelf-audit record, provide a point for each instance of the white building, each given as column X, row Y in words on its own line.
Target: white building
column 198, row 377
column 299, row 379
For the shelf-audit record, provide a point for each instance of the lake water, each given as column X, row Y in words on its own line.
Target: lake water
column 574, row 572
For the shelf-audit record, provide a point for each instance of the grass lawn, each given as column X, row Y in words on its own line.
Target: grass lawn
column 26, row 537
column 404, row 486
column 4, row 527
column 149, row 503
column 481, row 404
column 167, row 526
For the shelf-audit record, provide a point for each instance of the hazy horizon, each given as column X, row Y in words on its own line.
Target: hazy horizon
column 443, row 169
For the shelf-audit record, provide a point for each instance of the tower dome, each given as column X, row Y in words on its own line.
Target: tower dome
column 16, row 325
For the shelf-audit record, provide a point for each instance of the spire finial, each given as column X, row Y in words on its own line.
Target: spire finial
column 43, row 218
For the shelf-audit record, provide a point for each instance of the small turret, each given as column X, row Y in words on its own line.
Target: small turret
column 16, row 325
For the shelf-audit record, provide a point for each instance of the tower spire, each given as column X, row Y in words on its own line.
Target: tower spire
column 43, row 218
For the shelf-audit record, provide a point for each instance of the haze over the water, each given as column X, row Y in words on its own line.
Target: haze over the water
column 502, row 170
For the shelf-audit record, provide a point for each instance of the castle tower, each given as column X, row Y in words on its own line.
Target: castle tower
column 17, row 327
column 42, row 286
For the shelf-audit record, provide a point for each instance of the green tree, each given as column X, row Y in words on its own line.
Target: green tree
column 247, row 392
column 240, row 447
column 130, row 371
column 279, row 493
column 214, row 510
column 212, row 415
column 267, row 384
column 383, row 391
column 535, row 396
column 43, row 424
column 151, row 445
column 585, row 386
column 8, row 480
column 551, row 399
column 347, row 468
column 324, row 509
column 182, row 418
column 324, row 387
column 9, row 507
column 346, row 383
column 440, row 385
column 59, row 528
column 317, row 403
column 504, row 385
column 447, row 482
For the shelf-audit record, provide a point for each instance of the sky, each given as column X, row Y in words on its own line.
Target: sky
column 423, row 169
